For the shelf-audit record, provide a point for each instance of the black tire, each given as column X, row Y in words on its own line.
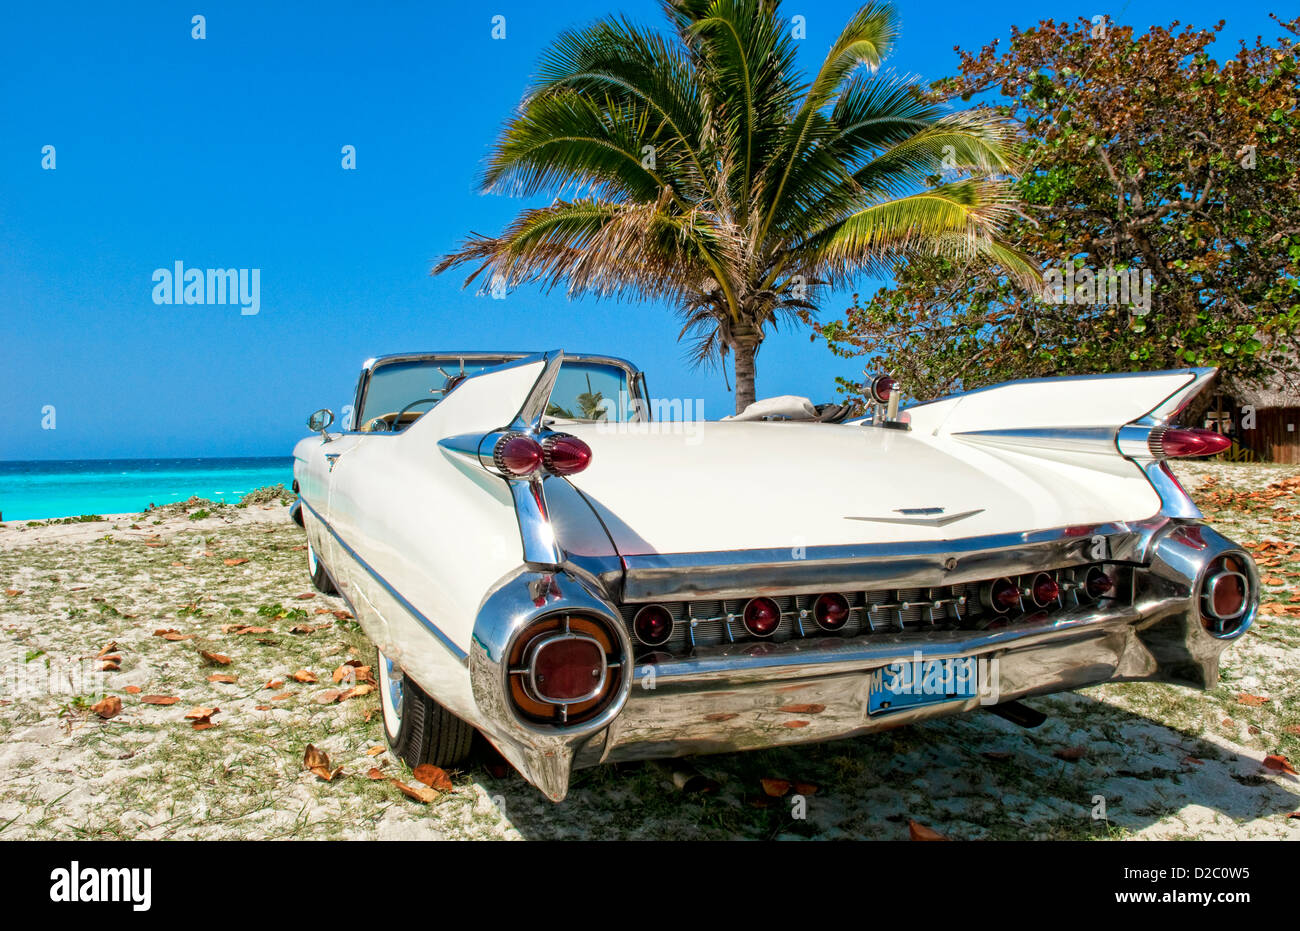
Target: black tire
column 320, row 578
column 428, row 732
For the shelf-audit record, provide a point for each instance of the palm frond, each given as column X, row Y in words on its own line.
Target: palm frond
column 959, row 218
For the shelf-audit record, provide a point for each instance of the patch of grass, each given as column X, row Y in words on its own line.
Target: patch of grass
column 80, row 519
column 267, row 494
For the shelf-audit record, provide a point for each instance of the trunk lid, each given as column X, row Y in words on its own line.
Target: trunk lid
column 706, row 487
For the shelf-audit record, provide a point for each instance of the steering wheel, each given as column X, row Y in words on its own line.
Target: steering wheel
column 391, row 421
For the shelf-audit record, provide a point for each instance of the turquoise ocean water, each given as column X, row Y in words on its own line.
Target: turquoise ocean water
column 31, row 490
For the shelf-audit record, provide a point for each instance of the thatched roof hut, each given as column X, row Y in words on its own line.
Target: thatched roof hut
column 1269, row 416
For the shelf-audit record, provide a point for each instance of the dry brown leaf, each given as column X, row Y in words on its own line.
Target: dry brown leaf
column 775, row 787
column 200, row 714
column 433, row 777
column 376, row 773
column 806, row 788
column 303, row 675
column 110, row 647
column 13, row 592
column 364, row 689
column 419, row 793
column 220, row 659
column 803, row 709
column 133, row 690
column 1279, row 763
column 326, row 697
column 235, row 562
column 317, row 762
column 222, row 677
column 375, row 750
column 918, row 831
column 159, row 700
column 107, row 707
column 110, row 665
column 171, row 633
column 305, row 596
column 1244, row 698
column 796, row 724
column 313, row 757
column 282, row 696
column 274, row 684
column 1070, row 754
column 343, row 615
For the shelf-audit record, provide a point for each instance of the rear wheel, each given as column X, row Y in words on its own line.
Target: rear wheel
column 419, row 730
column 320, row 579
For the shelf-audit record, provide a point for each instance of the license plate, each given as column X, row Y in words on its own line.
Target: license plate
column 909, row 683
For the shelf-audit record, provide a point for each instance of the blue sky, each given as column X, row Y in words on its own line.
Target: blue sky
column 225, row 152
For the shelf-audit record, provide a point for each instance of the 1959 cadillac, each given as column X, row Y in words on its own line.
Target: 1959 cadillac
column 538, row 559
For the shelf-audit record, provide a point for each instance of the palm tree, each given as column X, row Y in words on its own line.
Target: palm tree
column 699, row 166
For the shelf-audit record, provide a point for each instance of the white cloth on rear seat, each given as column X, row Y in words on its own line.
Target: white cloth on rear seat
column 788, row 406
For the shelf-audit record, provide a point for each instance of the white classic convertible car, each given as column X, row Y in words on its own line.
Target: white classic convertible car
column 538, row 560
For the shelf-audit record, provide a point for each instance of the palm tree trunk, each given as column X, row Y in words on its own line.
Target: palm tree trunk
column 745, row 346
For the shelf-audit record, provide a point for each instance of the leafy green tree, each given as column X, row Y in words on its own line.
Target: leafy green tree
column 701, row 167
column 1144, row 154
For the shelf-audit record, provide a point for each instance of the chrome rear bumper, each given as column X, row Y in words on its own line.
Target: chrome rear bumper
column 751, row 695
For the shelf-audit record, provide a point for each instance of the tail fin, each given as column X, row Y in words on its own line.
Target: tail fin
column 1109, row 416
column 1065, row 405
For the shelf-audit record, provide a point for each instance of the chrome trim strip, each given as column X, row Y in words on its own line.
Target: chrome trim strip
column 940, row 520
column 411, row 609
column 1174, row 501
column 1134, row 440
column 529, row 418
column 832, row 654
column 1168, row 409
column 1070, row 439
column 535, row 528
column 743, row 573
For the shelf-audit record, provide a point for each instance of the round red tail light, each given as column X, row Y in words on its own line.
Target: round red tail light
column 1173, row 442
column 653, row 625
column 565, row 668
column 831, row 611
column 1097, row 584
column 762, row 617
column 1225, row 595
column 518, row 455
column 1045, row 590
column 565, row 454
column 1001, row 595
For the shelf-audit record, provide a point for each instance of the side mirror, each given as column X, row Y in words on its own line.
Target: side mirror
column 318, row 421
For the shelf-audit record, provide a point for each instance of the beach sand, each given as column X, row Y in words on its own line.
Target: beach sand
column 1167, row 762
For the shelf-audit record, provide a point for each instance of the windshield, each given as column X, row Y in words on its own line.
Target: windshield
column 394, row 385
column 591, row 391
